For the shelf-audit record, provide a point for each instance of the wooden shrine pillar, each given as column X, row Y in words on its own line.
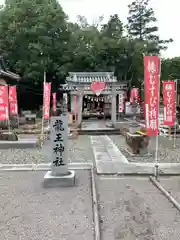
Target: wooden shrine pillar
column 80, row 104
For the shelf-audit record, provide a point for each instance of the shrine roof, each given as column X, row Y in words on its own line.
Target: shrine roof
column 4, row 72
column 88, row 77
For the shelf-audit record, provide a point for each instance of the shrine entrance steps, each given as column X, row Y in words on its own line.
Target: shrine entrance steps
column 97, row 128
column 99, row 131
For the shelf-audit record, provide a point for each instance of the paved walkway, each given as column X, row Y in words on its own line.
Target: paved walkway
column 106, row 151
column 110, row 160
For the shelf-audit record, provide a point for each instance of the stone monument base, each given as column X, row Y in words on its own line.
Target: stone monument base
column 137, row 144
column 65, row 180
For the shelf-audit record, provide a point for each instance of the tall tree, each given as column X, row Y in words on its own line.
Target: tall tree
column 34, row 37
column 141, row 26
column 114, row 47
column 84, row 37
column 113, row 28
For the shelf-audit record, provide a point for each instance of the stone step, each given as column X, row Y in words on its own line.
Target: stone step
column 20, row 144
column 99, row 131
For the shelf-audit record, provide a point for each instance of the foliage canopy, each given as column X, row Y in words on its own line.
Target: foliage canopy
column 36, row 36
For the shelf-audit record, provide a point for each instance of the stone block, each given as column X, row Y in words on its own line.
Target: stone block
column 22, row 120
column 63, row 180
column 8, row 136
column 30, row 118
column 20, row 144
column 136, row 143
column 14, row 122
column 4, row 124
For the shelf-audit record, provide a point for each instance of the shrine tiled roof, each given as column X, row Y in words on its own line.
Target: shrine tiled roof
column 88, row 77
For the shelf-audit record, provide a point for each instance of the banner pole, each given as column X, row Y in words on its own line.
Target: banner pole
column 169, row 133
column 42, row 127
column 8, row 110
column 157, row 137
column 175, row 126
column 17, row 108
column 75, row 108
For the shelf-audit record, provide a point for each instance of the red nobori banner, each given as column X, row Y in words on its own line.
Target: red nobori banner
column 169, row 88
column 121, row 102
column 13, row 109
column 4, row 113
column 134, row 94
column 151, row 90
column 47, row 93
column 54, row 102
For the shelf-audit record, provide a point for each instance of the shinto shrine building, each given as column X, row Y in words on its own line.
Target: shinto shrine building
column 87, row 103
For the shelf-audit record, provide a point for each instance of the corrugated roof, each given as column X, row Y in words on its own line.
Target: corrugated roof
column 10, row 75
column 5, row 72
column 88, row 77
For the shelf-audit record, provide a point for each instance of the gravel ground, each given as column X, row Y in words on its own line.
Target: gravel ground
column 134, row 209
column 79, row 150
column 30, row 212
column 166, row 152
column 172, row 185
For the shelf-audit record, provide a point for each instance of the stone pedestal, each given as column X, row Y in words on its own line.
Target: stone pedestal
column 64, row 180
column 136, row 143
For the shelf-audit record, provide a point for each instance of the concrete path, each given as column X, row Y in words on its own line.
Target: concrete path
column 106, row 151
column 110, row 160
column 133, row 209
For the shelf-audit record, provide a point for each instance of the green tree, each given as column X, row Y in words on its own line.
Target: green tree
column 140, row 26
column 170, row 71
column 82, row 45
column 113, row 28
column 34, row 38
column 114, row 47
column 170, row 68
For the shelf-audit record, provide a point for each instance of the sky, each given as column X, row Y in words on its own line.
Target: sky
column 166, row 11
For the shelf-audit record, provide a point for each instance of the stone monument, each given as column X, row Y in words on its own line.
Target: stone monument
column 136, row 140
column 59, row 174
